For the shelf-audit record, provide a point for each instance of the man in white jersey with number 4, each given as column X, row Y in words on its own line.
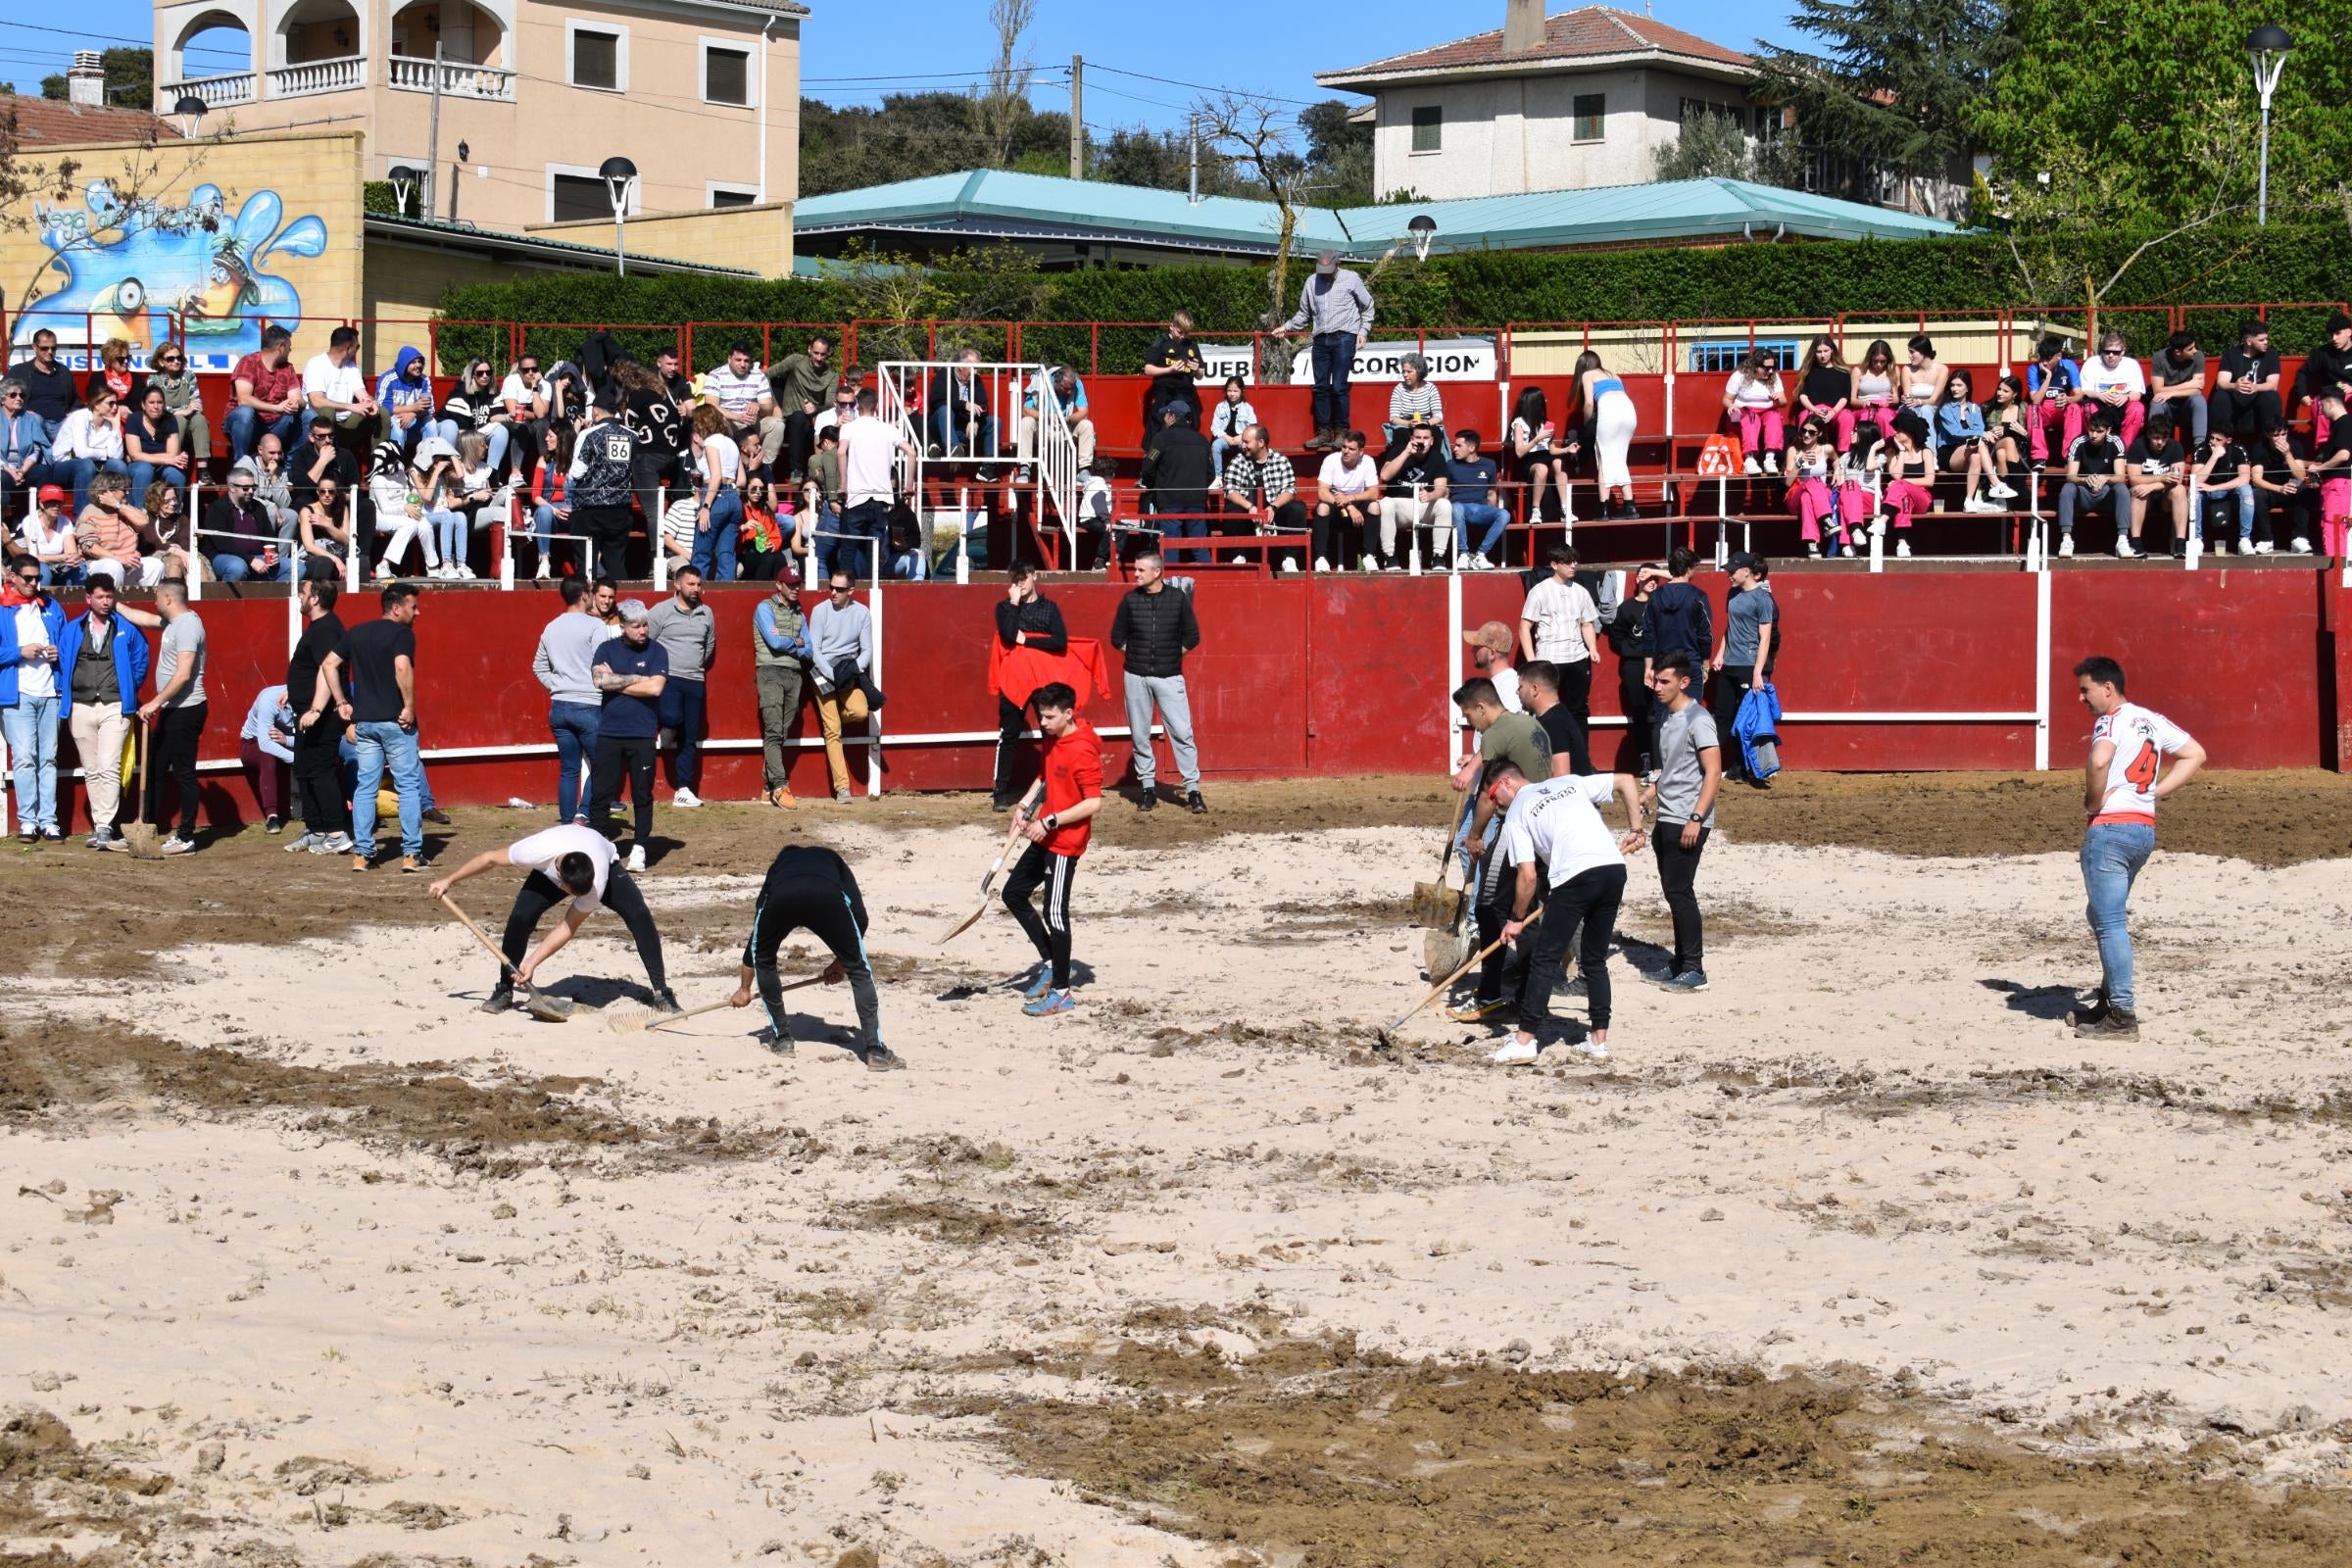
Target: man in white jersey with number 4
column 2122, row 783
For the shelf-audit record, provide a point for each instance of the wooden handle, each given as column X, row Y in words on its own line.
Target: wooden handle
column 1476, row 958
column 466, row 922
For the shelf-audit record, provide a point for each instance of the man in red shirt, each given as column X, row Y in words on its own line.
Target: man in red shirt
column 1072, row 786
column 266, row 396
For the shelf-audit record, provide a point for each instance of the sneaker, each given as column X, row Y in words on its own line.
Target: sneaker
column 544, row 572
column 1324, row 565
column 1979, row 504
column 1591, row 1049
column 1194, row 803
column 2066, row 547
column 273, row 824
column 1289, row 564
column 1686, row 980
column 412, row 865
column 784, row 797
column 1514, row 1052
column 1051, row 1004
column 176, row 845
column 1149, row 800
column 2090, row 1013
column 1903, row 550
column 2301, row 546
column 684, row 799
column 500, row 1000
column 50, row 835
column 111, row 840
column 383, row 571
column 1039, row 984
column 1239, row 561
column 1478, row 1011
column 779, row 1043
column 1813, row 548
column 665, row 1004
column 2264, row 547
column 1771, row 462
column 1752, row 466
column 31, row 835
column 842, row 798
column 884, row 1059
column 334, row 844
column 434, row 814
column 2123, row 548
column 2114, row 1023
column 636, row 859
column 2001, row 492
column 359, row 863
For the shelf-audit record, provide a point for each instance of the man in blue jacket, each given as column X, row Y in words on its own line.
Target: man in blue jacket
column 30, row 624
column 101, row 662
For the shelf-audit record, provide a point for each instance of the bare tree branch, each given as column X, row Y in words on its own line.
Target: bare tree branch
column 1256, row 135
column 1008, row 76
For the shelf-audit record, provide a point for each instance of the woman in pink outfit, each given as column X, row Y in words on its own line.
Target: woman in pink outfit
column 1874, row 395
column 1910, row 475
column 1752, row 401
column 1814, row 464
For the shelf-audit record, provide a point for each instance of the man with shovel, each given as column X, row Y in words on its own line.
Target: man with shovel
column 811, row 888
column 1569, row 870
column 572, row 862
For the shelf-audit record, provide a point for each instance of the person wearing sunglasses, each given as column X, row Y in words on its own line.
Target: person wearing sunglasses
column 240, row 537
column 31, row 628
column 24, row 446
column 840, row 656
column 168, row 369
column 2115, row 381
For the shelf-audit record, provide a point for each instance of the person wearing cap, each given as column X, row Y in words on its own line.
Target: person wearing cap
column 630, row 669
column 1743, row 654
column 2330, row 365
column 48, row 538
column 1335, row 307
column 1490, row 655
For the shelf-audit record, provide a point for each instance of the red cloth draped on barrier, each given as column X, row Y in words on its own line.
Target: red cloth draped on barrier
column 1015, row 672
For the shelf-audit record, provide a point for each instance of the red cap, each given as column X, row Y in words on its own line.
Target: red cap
column 51, row 492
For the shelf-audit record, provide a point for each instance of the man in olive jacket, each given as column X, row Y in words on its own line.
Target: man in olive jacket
column 1155, row 629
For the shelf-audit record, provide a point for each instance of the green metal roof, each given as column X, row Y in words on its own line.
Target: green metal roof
column 445, row 234
column 999, row 203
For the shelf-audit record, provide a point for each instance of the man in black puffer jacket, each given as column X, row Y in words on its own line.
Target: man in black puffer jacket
column 1155, row 629
column 1025, row 618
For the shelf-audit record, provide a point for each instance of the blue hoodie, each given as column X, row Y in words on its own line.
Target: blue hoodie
column 394, row 389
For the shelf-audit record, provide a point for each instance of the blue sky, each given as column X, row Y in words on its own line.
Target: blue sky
column 1275, row 46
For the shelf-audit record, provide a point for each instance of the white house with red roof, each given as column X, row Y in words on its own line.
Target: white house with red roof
column 1564, row 102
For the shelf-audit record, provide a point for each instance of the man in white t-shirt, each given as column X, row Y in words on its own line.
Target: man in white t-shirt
column 2121, row 782
column 739, row 389
column 568, row 863
column 869, row 450
column 333, row 384
column 1560, row 624
column 1346, row 498
column 2112, row 379
column 1570, row 873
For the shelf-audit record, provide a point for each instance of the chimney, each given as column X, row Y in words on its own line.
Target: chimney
column 86, row 83
column 1522, row 27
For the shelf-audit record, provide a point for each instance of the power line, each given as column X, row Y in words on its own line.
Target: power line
column 1197, row 86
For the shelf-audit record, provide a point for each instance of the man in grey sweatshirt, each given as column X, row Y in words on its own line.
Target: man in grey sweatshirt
column 683, row 626
column 841, row 644
column 566, row 651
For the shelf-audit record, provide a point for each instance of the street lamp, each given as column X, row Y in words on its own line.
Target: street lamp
column 405, row 179
column 1423, row 228
column 2266, row 47
column 190, row 111
column 618, row 174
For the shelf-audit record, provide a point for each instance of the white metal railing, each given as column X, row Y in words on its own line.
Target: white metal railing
column 995, row 389
column 218, row 92
column 1058, row 465
column 459, row 79
column 319, row 76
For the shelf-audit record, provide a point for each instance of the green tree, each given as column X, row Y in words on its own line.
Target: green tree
column 129, row 79
column 1889, row 84
column 1708, row 147
column 1338, row 155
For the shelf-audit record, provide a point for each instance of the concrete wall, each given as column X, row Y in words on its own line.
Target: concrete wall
column 758, row 237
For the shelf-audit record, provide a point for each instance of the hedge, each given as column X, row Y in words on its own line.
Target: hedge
column 1798, row 279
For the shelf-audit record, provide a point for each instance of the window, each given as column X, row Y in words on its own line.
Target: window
column 724, row 196
column 1429, row 127
column 576, row 196
column 726, row 76
column 600, row 56
column 1591, row 116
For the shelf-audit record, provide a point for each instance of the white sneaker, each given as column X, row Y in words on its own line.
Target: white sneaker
column 466, row 574
column 2123, row 548
column 1752, row 466
column 685, row 799
column 1813, row 548
column 1289, row 563
column 2301, row 546
column 636, row 861
column 1240, row 561
column 2262, row 547
column 2066, row 546
column 1771, row 462
column 1877, row 526
column 383, row 571
column 1979, row 504
column 1902, row 549
column 1515, row 1053
column 544, row 572
column 1591, row 1049
column 1321, row 564
column 1999, row 491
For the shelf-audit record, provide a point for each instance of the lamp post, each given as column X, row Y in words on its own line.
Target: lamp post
column 618, row 174
column 405, row 179
column 189, row 111
column 1423, row 228
column 2266, row 46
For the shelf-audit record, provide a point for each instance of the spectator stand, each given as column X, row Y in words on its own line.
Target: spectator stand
column 952, row 459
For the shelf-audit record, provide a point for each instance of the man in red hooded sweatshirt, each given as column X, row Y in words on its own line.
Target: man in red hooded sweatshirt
column 1057, row 830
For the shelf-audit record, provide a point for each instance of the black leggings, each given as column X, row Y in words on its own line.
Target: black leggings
column 819, row 906
column 1333, row 528
column 540, row 893
column 1012, row 720
column 1678, row 877
column 172, row 749
column 614, row 752
column 1585, row 906
column 1049, row 933
column 319, row 777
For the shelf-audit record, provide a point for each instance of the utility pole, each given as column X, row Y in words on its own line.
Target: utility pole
column 1077, row 116
column 432, row 137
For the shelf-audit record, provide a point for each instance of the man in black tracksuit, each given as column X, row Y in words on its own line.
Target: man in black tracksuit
column 811, row 888
column 1155, row 627
column 318, row 728
column 1025, row 618
column 601, row 483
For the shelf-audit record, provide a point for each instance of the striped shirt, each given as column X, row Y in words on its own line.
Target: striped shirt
column 735, row 395
column 1255, row 482
column 107, row 536
column 1417, row 404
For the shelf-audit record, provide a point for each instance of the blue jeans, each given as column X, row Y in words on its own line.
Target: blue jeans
column 75, row 474
column 1175, row 529
column 2217, row 507
column 944, row 429
column 2112, row 855
column 383, row 745
column 31, row 730
column 713, row 554
column 681, row 711
column 544, row 518
column 246, row 426
column 495, row 432
column 143, row 474
column 573, row 724
column 1468, row 515
column 866, row 520
column 910, row 565
column 1335, row 362
column 453, row 531
column 229, row 568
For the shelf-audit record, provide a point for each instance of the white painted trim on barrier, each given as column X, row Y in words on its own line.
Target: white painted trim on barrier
column 2041, row 664
column 1452, row 667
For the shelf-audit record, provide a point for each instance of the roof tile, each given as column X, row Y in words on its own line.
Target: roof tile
column 1588, row 32
column 54, row 122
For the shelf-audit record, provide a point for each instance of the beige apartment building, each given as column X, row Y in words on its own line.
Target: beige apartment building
column 701, row 95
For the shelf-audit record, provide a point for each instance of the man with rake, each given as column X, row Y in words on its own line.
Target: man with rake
column 570, row 863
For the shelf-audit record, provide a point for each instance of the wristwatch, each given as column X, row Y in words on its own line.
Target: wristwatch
column 1052, row 820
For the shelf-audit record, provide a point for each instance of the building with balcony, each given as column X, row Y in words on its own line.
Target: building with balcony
column 530, row 96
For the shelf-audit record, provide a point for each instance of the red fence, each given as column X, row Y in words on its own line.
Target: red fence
column 1327, row 676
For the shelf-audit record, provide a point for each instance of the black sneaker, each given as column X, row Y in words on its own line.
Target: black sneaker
column 1149, row 800
column 666, row 1002
column 999, row 803
column 500, row 1000
column 884, row 1059
column 779, row 1043
column 273, row 824
column 1194, row 803
column 2093, row 1013
column 2113, row 1023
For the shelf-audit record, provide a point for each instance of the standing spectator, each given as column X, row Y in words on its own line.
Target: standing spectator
column 820, row 497
column 1336, row 308
column 2330, row 469
column 2157, row 469
column 1490, row 648
column 1827, row 390
column 48, row 539
column 151, row 444
column 739, row 390
column 601, row 476
column 1069, row 397
column 101, row 662
column 2176, row 382
column 1173, row 366
column 371, row 676
column 1154, row 627
column 1415, row 403
column 239, row 538
column 2246, row 390
column 801, row 387
column 1057, row 816
column 1471, row 489
column 1179, row 468
column 1752, row 643
column 1679, row 619
column 1752, row 401
column 1025, row 618
column 779, row 651
column 1229, row 427
column 630, row 670
column 1540, row 690
column 2279, row 496
column 2329, row 364
column 23, row 447
column 688, row 637
column 333, row 384
column 659, row 426
column 405, row 393
column 841, row 657
column 183, row 400
column 522, row 409
column 2115, row 381
column 1561, row 625
column 266, row 745
column 87, row 444
column 1416, row 481
column 318, row 724
column 564, row 662
column 31, row 628
column 265, row 396
column 869, row 450
column 1610, row 413
column 323, row 459
column 1689, row 773
column 1346, row 494
column 177, row 710
column 718, row 466
column 1628, row 634
column 2094, row 481
column 49, row 389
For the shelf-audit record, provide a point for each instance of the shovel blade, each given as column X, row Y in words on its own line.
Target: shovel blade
column 1443, row 952
column 546, row 1009
column 1435, row 905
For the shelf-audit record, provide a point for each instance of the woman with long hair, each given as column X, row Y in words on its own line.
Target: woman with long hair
column 551, row 497
column 1813, row 465
column 1613, row 422
column 1874, row 394
column 718, row 503
column 1752, row 401
column 1827, row 391
column 1923, row 380
column 1910, row 475
column 2005, row 423
column 1966, row 445
column 1539, row 463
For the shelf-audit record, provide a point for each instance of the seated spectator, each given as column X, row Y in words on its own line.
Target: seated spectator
column 334, row 386
column 167, row 508
column 1538, row 460
column 472, row 405
column 2330, row 468
column 1416, row 481
column 2114, row 381
column 118, row 540
column 1176, row 479
column 273, row 486
column 1910, row 476
column 1413, row 403
column 1966, row 445
column 2052, row 383
column 151, row 444
column 1922, row 382
column 1874, row 396
column 1813, row 470
column 1752, row 401
column 473, row 497
column 2094, row 480
column 759, row 549
column 394, row 491
column 48, row 538
column 1827, row 391
column 1227, row 426
column 87, row 444
column 114, row 373
column 405, row 393
column 960, row 421
column 1260, row 484
column 551, row 511
column 24, row 447
column 240, row 538
column 2225, row 491
column 266, row 745
column 905, row 550
column 1346, row 494
column 325, row 457
column 524, row 401
column 2156, row 469
column 2007, row 427
column 678, row 529
column 2281, row 496
column 183, row 400
column 324, row 528
column 265, row 396
column 2329, row 364
column 1070, row 395
column 2176, row 382
column 2246, row 390
column 1471, row 490
column 1097, row 512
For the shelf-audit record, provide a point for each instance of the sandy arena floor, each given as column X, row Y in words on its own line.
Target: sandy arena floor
column 1859, row 1257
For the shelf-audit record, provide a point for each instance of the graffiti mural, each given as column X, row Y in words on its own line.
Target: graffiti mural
column 131, row 268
